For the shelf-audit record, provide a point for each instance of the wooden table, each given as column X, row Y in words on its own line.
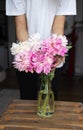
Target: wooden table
column 21, row 115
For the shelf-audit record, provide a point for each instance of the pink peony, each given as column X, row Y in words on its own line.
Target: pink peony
column 41, row 55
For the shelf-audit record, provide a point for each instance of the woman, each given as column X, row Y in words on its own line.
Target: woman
column 38, row 16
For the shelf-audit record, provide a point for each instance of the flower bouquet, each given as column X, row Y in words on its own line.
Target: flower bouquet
column 36, row 55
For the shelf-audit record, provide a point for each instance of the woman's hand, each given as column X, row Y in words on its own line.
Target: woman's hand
column 59, row 60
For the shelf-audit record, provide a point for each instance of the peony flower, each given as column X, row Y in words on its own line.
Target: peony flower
column 36, row 55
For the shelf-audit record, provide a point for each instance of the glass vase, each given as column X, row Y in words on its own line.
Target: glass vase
column 45, row 106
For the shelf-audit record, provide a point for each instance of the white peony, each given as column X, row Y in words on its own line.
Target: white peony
column 63, row 39
column 32, row 43
column 18, row 47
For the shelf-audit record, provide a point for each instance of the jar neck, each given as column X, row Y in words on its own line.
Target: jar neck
column 46, row 83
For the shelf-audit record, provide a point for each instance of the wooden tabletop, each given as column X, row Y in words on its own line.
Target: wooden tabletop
column 21, row 115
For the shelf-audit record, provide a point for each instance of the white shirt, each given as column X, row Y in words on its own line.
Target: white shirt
column 40, row 13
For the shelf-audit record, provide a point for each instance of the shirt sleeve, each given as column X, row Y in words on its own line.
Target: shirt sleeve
column 15, row 7
column 66, row 7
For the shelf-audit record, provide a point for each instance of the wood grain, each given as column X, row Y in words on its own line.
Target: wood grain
column 21, row 115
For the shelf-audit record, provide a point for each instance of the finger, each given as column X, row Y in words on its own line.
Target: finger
column 63, row 59
column 58, row 61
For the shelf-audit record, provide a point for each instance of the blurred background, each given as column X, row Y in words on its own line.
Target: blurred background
column 71, row 87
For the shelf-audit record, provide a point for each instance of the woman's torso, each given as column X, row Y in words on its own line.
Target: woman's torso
column 40, row 15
